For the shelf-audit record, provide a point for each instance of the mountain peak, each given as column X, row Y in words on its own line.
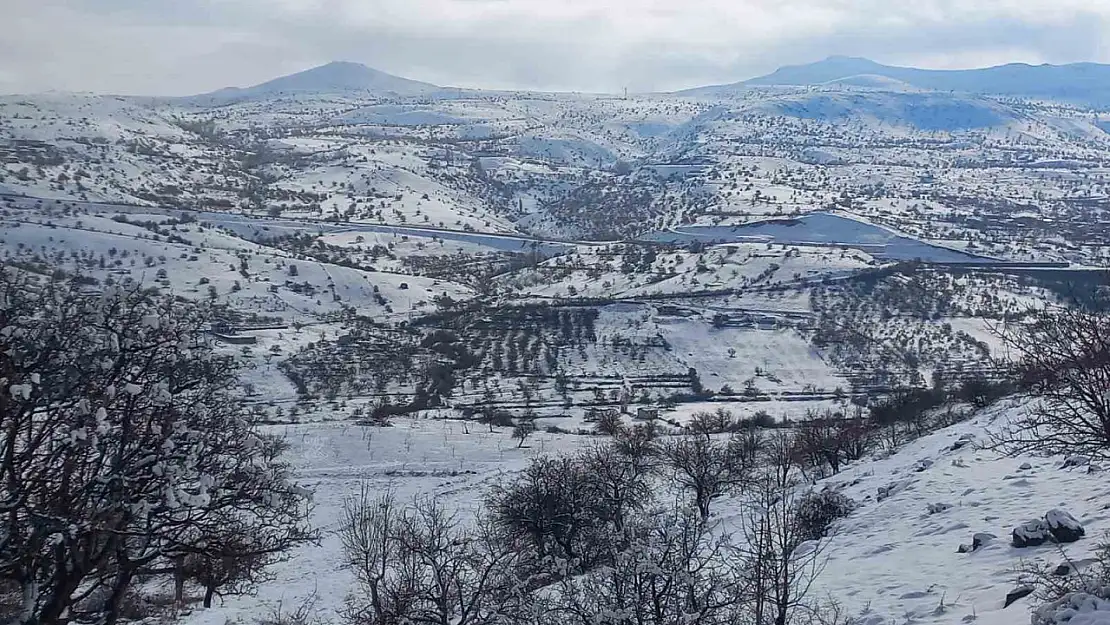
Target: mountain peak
column 840, row 58
column 336, row 76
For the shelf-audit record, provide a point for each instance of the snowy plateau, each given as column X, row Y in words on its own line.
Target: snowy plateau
column 385, row 251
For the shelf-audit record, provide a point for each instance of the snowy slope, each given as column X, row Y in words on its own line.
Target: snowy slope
column 899, row 560
column 210, row 265
column 891, row 560
column 417, row 457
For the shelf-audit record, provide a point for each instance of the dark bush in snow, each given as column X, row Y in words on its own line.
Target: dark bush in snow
column 816, row 512
column 1075, row 461
column 1064, row 527
column 1031, row 533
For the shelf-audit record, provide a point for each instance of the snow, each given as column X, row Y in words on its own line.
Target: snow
column 466, row 176
column 415, row 457
column 894, row 557
column 891, row 559
column 1076, row 609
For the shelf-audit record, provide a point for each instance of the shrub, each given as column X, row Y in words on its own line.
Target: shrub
column 816, row 512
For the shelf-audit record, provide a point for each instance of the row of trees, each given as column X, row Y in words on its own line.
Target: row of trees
column 125, row 454
column 617, row 534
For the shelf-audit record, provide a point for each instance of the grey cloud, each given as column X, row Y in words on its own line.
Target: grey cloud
column 177, row 47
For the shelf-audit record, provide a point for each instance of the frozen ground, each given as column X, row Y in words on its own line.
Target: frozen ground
column 891, row 559
column 902, row 562
column 416, row 457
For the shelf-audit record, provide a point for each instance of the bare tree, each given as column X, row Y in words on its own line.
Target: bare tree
column 236, row 555
column 830, row 440
column 670, row 568
column 640, row 444
column 720, row 421
column 707, row 468
column 609, row 423
column 418, row 565
column 779, row 558
column 1064, row 359
column 620, row 483
column 555, row 507
column 122, row 446
column 522, row 430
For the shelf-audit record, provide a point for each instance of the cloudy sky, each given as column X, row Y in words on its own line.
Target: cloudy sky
column 177, row 47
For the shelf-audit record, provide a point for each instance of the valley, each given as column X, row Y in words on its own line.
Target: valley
column 428, row 289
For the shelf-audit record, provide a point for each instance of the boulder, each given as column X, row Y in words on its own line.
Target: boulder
column 1062, row 570
column 982, row 539
column 922, row 465
column 1063, row 526
column 979, row 540
column 1017, row 593
column 1025, row 466
column 1031, row 533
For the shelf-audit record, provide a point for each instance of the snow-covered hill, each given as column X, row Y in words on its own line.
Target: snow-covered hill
column 891, row 562
column 897, row 558
column 334, row 77
column 1077, row 82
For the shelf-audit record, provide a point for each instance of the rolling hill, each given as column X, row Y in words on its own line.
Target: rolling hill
column 1087, row 83
column 337, row 76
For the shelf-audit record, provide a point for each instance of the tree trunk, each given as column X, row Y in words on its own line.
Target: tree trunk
column 179, row 580
column 119, row 591
column 702, row 502
column 209, row 592
column 30, row 601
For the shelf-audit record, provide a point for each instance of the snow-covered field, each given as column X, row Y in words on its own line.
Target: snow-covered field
column 416, row 457
column 891, row 561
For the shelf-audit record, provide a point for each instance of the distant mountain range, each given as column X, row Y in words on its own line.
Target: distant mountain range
column 1082, row 83
column 1086, row 83
column 338, row 76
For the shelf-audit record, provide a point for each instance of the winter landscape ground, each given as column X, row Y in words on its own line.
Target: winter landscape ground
column 428, row 290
